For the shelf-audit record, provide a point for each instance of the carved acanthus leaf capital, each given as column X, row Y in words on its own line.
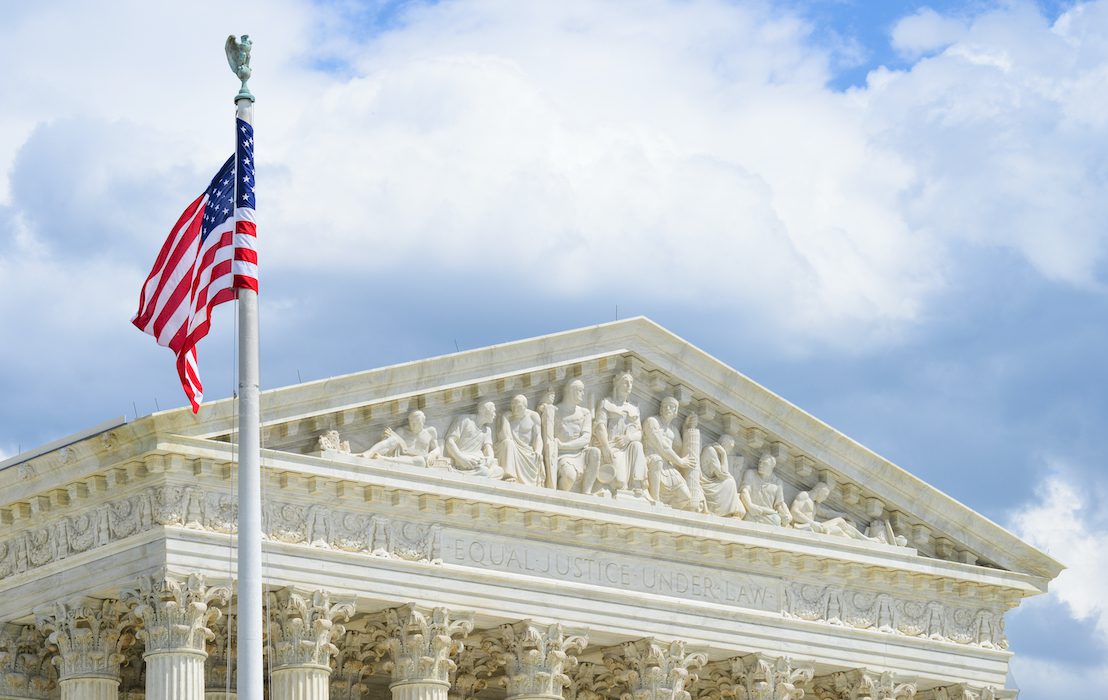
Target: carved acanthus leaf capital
column 535, row 657
column 355, row 661
column 862, row 684
column 419, row 643
column 763, row 677
column 25, row 670
column 655, row 670
column 302, row 626
column 589, row 681
column 89, row 634
column 962, row 691
column 473, row 668
column 175, row 614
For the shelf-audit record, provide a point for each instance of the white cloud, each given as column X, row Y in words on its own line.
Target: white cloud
column 926, row 31
column 1068, row 522
column 688, row 153
column 1069, row 525
column 1041, row 678
column 1005, row 135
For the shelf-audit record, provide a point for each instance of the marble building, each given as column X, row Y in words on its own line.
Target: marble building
column 602, row 513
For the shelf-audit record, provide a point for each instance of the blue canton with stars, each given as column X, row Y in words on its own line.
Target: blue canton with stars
column 244, row 184
column 229, row 189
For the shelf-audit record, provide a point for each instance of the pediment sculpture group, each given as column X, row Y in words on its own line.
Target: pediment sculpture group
column 563, row 445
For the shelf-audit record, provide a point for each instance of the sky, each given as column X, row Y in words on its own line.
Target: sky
column 890, row 213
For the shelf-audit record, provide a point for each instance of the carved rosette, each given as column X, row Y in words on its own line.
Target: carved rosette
column 762, row 677
column 302, row 626
column 861, row 684
column 654, row 670
column 535, row 657
column 25, row 670
column 419, row 643
column 89, row 635
column 589, row 681
column 174, row 614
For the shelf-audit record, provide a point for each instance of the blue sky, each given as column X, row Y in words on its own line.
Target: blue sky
column 890, row 213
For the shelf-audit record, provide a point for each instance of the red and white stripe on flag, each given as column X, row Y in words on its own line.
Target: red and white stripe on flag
column 210, row 253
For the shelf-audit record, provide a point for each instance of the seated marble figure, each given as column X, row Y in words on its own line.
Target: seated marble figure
column 669, row 471
column 417, row 443
column 568, row 446
column 469, row 444
column 519, row 444
column 617, row 432
column 763, row 495
column 721, row 493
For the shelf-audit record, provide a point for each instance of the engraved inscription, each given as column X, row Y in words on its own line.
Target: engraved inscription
column 614, row 571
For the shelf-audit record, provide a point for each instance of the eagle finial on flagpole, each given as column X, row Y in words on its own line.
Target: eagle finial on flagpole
column 238, row 57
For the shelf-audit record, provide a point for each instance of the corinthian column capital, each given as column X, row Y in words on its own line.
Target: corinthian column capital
column 763, row 677
column 90, row 636
column 654, row 670
column 589, row 681
column 420, row 642
column 25, row 670
column 351, row 666
column 303, row 626
column 175, row 614
column 963, row 691
column 535, row 657
column 862, row 684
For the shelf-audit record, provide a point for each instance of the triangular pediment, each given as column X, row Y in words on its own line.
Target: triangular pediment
column 348, row 415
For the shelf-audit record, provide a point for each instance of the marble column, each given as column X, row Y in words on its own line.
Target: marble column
column 861, row 683
column 419, row 644
column 303, row 626
column 535, row 658
column 174, row 615
column 654, row 670
column 25, row 672
column 764, row 677
column 89, row 635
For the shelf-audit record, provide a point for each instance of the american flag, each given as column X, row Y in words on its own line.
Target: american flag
column 209, row 254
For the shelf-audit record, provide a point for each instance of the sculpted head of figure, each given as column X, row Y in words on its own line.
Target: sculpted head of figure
column 519, row 405
column 766, row 465
column 668, row 409
column 574, row 392
column 416, row 421
column 486, row 411
column 727, row 443
column 621, row 385
column 820, row 492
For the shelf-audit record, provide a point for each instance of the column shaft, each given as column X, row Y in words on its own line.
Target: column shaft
column 89, row 688
column 419, row 690
column 300, row 683
column 175, row 675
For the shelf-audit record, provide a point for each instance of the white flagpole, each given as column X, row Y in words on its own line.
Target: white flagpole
column 250, row 674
